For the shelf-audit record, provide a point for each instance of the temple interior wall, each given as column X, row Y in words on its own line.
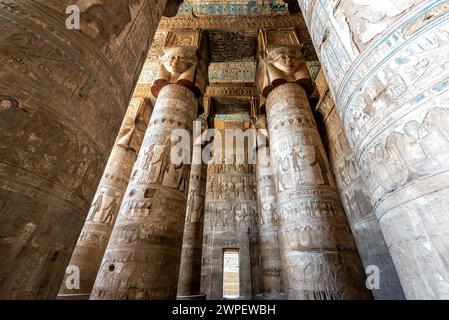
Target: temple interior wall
column 231, row 223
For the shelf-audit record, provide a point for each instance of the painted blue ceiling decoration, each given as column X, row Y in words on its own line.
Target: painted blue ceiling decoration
column 236, row 7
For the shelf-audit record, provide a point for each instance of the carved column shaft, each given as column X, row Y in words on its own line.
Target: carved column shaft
column 63, row 97
column 355, row 199
column 143, row 256
column 391, row 91
column 271, row 263
column 318, row 252
column 192, row 244
column 103, row 212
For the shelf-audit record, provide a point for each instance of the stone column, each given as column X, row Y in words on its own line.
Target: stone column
column 192, row 243
column 272, row 281
column 97, row 229
column 387, row 69
column 318, row 252
column 319, row 255
column 354, row 195
column 143, row 256
column 63, row 97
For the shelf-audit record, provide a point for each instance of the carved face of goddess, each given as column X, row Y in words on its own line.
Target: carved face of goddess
column 178, row 62
column 287, row 61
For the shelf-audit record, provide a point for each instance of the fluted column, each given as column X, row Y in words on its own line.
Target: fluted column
column 192, row 243
column 63, row 94
column 272, row 281
column 319, row 256
column 103, row 212
column 142, row 259
column 387, row 69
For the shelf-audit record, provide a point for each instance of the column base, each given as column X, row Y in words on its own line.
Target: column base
column 192, row 297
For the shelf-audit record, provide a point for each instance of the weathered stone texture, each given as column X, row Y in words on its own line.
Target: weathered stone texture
column 271, row 264
column 192, row 243
column 63, row 95
column 103, row 212
column 386, row 66
column 230, row 223
column 143, row 256
column 319, row 255
column 355, row 199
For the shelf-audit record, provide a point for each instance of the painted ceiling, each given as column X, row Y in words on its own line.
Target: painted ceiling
column 232, row 7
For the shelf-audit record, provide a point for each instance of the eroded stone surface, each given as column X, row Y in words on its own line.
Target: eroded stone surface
column 63, row 97
column 355, row 199
column 230, row 223
column 189, row 283
column 103, row 212
column 271, row 264
column 319, row 255
column 143, row 256
column 388, row 76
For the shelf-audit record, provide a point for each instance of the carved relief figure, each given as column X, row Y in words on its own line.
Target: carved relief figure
column 106, row 19
column 198, row 209
column 148, row 157
column 96, row 207
column 319, row 167
column 298, row 159
column 110, row 211
column 160, row 163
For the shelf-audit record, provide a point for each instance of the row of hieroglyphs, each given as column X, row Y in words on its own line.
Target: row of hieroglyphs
column 222, row 187
column 226, row 215
column 387, row 66
column 372, row 93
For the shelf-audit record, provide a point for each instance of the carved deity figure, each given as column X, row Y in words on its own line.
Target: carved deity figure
column 298, row 159
column 319, row 166
column 284, row 64
column 126, row 133
column 111, row 211
column 105, row 20
column 96, row 206
column 149, row 153
column 198, row 209
column 160, row 164
column 178, row 65
column 133, row 128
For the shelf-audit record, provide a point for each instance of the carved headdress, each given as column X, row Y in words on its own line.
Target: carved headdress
column 281, row 65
